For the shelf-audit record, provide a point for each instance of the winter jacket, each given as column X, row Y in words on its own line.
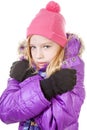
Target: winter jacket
column 25, row 100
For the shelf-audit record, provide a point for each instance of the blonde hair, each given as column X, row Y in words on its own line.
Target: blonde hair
column 54, row 65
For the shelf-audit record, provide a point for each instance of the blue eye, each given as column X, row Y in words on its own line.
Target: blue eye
column 47, row 46
column 32, row 47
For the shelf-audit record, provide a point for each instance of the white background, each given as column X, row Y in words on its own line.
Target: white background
column 15, row 16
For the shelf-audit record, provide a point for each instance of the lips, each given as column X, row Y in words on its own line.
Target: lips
column 42, row 64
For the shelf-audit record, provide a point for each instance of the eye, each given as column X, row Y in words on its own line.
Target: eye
column 47, row 46
column 32, row 47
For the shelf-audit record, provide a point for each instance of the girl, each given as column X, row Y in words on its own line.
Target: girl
column 42, row 95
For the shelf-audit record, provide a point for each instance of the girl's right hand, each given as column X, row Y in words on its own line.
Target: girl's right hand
column 20, row 70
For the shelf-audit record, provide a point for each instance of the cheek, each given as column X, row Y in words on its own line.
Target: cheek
column 51, row 54
column 33, row 54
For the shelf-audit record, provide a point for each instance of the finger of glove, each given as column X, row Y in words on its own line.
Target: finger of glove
column 69, row 73
column 66, row 82
column 74, row 79
column 13, row 65
column 66, row 76
column 20, row 65
column 64, row 72
column 73, row 76
column 71, row 82
column 19, row 69
column 73, row 71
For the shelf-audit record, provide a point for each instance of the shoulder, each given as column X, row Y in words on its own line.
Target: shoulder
column 73, row 62
column 73, row 46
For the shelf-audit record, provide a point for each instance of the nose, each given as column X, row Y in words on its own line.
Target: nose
column 39, row 54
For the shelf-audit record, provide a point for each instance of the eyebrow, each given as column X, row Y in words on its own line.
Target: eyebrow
column 43, row 43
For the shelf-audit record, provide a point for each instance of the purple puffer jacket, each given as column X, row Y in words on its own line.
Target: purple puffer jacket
column 25, row 100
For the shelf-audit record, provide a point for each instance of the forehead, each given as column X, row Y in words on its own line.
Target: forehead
column 39, row 39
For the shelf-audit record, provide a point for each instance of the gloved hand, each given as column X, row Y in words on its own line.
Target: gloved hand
column 58, row 83
column 20, row 70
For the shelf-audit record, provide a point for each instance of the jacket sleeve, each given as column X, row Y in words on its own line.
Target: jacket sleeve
column 22, row 101
column 64, row 111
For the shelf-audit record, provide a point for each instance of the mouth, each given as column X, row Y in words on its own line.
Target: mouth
column 41, row 64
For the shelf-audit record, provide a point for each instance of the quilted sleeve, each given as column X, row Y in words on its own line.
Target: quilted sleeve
column 22, row 101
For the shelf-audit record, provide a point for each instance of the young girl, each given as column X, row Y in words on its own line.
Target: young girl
column 40, row 93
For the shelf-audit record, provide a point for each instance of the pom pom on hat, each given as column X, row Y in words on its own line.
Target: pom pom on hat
column 49, row 23
column 53, row 6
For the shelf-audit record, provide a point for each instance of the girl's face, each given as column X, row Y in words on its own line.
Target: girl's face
column 43, row 50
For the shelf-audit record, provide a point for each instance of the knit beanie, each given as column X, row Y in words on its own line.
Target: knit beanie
column 49, row 23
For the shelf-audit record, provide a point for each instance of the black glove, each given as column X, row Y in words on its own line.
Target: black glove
column 20, row 70
column 58, row 83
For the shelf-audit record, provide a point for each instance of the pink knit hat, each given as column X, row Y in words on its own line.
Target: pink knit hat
column 50, row 24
